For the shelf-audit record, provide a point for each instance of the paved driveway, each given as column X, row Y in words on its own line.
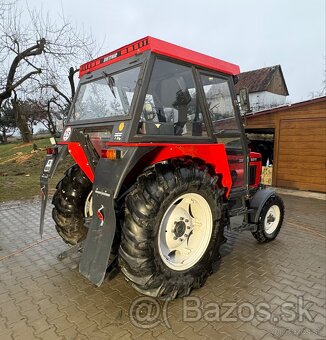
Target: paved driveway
column 267, row 291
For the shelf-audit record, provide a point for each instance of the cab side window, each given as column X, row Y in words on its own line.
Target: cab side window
column 219, row 102
column 171, row 106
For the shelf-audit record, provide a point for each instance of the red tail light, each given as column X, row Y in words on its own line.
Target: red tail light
column 51, row 151
column 111, row 154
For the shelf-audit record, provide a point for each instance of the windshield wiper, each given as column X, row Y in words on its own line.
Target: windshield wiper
column 111, row 82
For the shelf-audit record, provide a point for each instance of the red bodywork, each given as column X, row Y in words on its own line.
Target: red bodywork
column 213, row 154
column 77, row 153
column 237, row 169
column 163, row 48
column 255, row 161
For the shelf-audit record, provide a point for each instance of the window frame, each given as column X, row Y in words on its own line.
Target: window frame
column 141, row 99
column 124, row 65
column 115, row 117
column 229, row 79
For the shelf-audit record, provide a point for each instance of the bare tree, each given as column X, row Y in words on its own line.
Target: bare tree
column 17, row 52
column 51, row 110
column 38, row 53
column 323, row 90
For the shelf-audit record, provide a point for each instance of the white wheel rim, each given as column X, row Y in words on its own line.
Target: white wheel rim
column 185, row 231
column 272, row 219
column 88, row 209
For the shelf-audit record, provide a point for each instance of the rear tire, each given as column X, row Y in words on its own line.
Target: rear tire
column 69, row 201
column 160, row 193
column 270, row 220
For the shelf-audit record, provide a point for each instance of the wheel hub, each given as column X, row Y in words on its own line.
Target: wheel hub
column 180, row 228
column 270, row 218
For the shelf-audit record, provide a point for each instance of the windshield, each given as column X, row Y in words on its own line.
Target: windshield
column 106, row 97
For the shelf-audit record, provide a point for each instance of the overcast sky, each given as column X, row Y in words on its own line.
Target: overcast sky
column 252, row 33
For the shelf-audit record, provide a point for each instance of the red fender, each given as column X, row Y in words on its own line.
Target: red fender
column 77, row 153
column 212, row 154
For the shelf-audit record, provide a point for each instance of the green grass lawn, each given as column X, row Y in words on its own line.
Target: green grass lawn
column 20, row 170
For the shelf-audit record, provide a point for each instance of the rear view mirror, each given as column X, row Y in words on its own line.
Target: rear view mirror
column 244, row 100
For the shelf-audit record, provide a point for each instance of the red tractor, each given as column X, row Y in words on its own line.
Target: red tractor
column 162, row 168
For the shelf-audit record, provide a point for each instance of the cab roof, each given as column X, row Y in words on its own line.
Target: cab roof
column 162, row 48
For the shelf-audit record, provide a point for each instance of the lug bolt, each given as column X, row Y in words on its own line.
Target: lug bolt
column 188, row 227
column 185, row 235
column 181, row 218
column 181, row 239
column 186, row 220
column 174, row 237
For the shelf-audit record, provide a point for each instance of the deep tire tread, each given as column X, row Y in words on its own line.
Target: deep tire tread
column 144, row 205
column 69, row 201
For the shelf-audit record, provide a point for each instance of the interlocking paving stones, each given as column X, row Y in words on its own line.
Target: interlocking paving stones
column 44, row 298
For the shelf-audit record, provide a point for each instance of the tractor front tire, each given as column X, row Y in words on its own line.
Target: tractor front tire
column 69, row 202
column 270, row 220
column 173, row 228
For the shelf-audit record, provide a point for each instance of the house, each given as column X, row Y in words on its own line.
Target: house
column 266, row 87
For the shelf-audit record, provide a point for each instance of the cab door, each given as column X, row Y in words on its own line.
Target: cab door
column 226, row 125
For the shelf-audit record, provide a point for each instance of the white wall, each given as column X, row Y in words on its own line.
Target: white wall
column 265, row 100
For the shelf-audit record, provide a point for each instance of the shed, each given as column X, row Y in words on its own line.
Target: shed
column 294, row 140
